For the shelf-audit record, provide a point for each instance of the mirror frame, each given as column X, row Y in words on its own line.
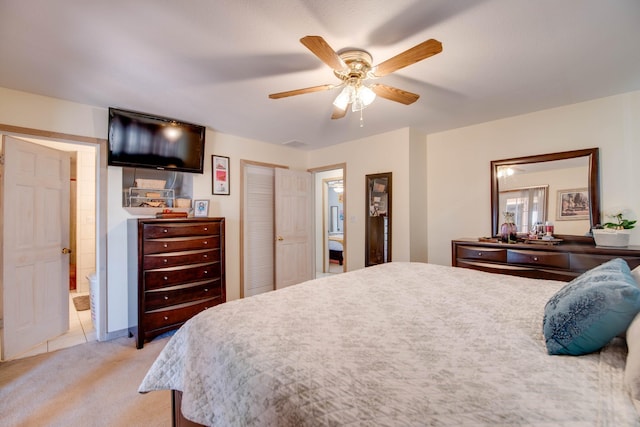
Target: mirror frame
column 593, row 185
column 374, row 228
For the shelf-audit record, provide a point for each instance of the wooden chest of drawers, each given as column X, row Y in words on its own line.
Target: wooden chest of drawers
column 560, row 262
column 176, row 270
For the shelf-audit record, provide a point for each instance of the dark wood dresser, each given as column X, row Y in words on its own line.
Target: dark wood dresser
column 176, row 270
column 564, row 261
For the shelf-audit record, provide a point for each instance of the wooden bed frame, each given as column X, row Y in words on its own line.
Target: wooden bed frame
column 177, row 419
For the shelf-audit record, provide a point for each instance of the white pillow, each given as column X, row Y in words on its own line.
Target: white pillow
column 632, row 369
column 636, row 274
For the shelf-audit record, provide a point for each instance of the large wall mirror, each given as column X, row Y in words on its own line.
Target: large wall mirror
column 378, row 219
column 562, row 188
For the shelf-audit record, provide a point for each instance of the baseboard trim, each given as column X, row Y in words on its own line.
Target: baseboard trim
column 116, row 334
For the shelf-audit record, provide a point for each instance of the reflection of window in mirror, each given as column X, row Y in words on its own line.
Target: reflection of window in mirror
column 528, row 205
column 554, row 176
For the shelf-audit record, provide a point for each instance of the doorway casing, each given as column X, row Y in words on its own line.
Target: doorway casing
column 101, row 209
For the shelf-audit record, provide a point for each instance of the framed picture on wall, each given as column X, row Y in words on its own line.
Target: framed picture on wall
column 220, row 175
column 201, row 208
column 573, row 204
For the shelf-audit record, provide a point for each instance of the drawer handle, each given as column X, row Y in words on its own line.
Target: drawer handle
column 206, row 272
column 165, row 230
column 206, row 289
column 166, row 278
column 206, row 229
column 205, row 256
column 165, row 260
column 165, row 245
column 166, row 318
column 206, row 242
column 535, row 258
column 479, row 253
column 166, row 297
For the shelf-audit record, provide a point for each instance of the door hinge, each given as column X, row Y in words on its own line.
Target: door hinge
column 1, row 159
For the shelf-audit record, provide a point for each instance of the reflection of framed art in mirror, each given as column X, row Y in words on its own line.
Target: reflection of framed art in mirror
column 573, row 205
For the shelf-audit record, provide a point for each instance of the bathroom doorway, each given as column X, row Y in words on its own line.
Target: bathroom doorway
column 330, row 225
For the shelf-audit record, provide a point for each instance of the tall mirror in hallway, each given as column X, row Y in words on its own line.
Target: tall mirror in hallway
column 378, row 219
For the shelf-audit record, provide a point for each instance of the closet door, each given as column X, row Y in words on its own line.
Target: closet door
column 277, row 228
column 258, row 228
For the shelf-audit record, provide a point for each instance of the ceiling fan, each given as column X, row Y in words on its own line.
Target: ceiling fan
column 354, row 67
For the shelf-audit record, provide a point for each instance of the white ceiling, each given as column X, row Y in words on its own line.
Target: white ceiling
column 213, row 62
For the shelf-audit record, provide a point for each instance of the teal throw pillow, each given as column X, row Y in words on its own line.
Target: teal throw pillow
column 591, row 310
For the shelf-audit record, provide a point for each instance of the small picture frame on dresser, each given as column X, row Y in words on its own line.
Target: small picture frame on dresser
column 201, row 208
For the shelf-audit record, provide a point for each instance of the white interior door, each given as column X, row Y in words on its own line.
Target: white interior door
column 294, row 227
column 35, row 232
column 258, row 230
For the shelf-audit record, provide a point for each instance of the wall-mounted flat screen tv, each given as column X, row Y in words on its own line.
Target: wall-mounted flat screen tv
column 142, row 140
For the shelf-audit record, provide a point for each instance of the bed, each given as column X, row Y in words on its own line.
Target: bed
column 398, row 344
column 336, row 248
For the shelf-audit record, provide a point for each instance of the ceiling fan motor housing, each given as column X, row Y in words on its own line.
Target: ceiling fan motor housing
column 359, row 63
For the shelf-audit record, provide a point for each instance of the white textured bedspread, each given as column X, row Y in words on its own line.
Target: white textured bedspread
column 400, row 344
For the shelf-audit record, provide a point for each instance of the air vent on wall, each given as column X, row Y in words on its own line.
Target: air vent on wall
column 295, row 144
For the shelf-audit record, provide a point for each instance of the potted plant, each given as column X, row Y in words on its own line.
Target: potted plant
column 615, row 233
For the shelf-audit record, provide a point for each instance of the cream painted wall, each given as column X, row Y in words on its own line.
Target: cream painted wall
column 54, row 115
column 235, row 148
column 388, row 152
column 456, row 188
column 458, row 162
column 418, row 196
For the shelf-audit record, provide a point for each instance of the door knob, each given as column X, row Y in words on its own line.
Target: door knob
column 66, row 250
column 280, row 238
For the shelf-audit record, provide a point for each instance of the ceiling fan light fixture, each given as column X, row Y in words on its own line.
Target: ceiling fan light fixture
column 366, row 95
column 363, row 98
column 344, row 98
column 354, row 66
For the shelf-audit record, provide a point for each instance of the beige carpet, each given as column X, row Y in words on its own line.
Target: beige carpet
column 93, row 384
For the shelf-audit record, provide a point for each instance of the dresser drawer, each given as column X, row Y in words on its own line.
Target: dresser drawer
column 538, row 258
column 173, row 259
column 156, row 231
column 584, row 262
column 156, row 279
column 180, row 244
column 175, row 315
column 175, row 295
column 480, row 253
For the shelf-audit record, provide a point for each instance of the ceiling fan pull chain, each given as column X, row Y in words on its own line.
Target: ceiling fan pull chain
column 361, row 120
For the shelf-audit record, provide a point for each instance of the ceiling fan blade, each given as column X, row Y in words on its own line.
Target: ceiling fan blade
column 322, row 50
column 300, row 91
column 411, row 56
column 338, row 113
column 394, row 94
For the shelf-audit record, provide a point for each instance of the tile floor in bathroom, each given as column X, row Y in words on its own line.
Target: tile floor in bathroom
column 80, row 331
